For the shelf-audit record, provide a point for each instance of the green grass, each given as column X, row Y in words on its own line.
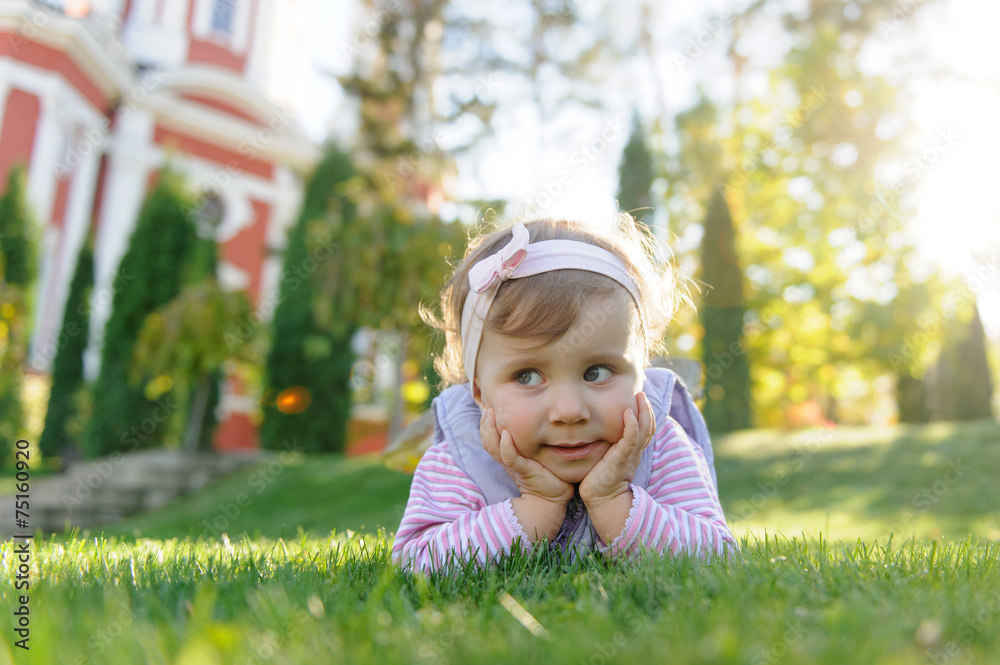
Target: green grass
column 931, row 594
column 341, row 600
column 928, row 481
column 846, row 483
column 316, row 493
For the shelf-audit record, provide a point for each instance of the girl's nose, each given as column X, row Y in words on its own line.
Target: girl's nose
column 568, row 406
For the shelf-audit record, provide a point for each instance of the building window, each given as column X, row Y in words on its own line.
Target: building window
column 223, row 13
column 208, row 214
column 72, row 8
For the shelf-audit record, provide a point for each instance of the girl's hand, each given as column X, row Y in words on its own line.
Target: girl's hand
column 610, row 477
column 532, row 479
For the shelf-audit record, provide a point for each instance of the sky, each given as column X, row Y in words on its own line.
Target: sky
column 575, row 174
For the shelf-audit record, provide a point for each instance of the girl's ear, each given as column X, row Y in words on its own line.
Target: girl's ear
column 477, row 394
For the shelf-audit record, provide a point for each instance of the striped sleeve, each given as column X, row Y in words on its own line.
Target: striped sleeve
column 680, row 510
column 447, row 517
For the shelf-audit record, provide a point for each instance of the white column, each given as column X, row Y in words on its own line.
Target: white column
column 5, row 70
column 175, row 15
column 76, row 223
column 129, row 162
column 42, row 177
column 50, row 141
column 284, row 209
column 49, row 265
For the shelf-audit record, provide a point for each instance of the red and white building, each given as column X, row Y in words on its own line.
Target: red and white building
column 95, row 97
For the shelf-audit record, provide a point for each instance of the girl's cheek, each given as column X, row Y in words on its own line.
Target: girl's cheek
column 501, row 417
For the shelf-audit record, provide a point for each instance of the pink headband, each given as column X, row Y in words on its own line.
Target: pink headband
column 521, row 259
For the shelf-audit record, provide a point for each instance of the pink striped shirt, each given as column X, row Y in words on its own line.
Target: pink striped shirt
column 447, row 516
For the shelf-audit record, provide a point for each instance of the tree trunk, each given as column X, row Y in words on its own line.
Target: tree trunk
column 396, row 412
column 197, row 414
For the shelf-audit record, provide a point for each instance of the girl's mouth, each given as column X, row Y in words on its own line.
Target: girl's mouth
column 574, row 451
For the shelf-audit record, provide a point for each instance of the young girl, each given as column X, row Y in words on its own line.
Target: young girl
column 554, row 427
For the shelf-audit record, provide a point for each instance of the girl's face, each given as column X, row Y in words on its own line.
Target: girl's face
column 572, row 391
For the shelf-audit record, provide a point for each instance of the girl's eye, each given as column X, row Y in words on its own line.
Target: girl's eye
column 524, row 377
column 594, row 373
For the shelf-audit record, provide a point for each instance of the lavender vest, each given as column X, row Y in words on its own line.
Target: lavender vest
column 456, row 420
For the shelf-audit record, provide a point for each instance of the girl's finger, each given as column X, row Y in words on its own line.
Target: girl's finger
column 488, row 432
column 631, row 427
column 645, row 417
column 507, row 451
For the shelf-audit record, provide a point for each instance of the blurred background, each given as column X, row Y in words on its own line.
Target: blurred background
column 220, row 216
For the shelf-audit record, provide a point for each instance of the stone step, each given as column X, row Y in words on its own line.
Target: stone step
column 105, row 490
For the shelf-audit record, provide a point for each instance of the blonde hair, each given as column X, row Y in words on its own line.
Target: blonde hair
column 548, row 304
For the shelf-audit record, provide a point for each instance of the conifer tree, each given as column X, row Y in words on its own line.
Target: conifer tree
column 67, row 367
column 727, row 373
column 308, row 367
column 205, row 263
column 635, row 175
column 973, row 396
column 185, row 340
column 17, row 272
column 150, row 274
column 962, row 385
column 17, row 242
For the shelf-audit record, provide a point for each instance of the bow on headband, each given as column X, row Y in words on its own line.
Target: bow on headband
column 500, row 266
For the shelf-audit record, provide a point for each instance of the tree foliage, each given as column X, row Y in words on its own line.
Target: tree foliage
column 962, row 388
column 811, row 171
column 185, row 343
column 307, row 370
column 150, row 274
column 344, row 271
column 635, row 175
column 17, row 273
column 67, row 366
column 18, row 246
column 727, row 375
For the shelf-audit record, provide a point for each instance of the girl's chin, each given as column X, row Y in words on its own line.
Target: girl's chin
column 573, row 475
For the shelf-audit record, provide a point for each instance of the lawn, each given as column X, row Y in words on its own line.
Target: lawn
column 317, row 493
column 169, row 587
column 847, row 483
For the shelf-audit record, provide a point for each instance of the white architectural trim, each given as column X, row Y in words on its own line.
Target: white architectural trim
column 40, row 82
column 175, row 14
column 215, row 127
column 201, row 21
column 109, row 11
column 49, row 144
column 128, row 168
column 263, row 28
column 220, row 84
column 241, row 24
column 161, row 42
column 5, row 68
column 276, row 137
column 230, row 402
column 141, row 11
column 231, row 185
column 76, row 223
column 87, row 43
column 61, row 109
column 232, row 277
column 60, row 106
column 286, row 206
column 283, row 217
column 50, row 269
